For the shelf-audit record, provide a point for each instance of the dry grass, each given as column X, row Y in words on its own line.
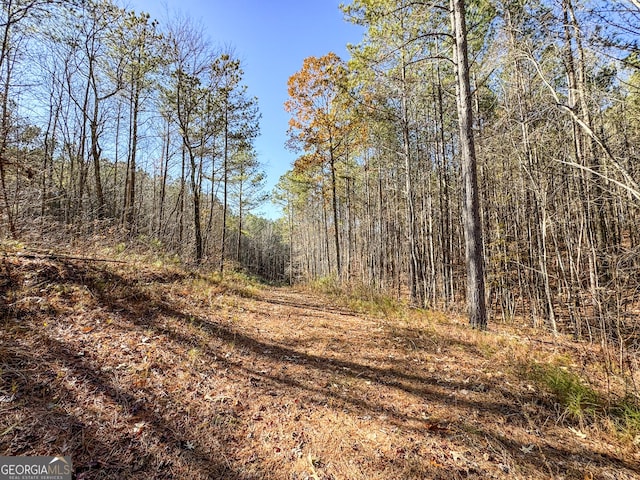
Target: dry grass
column 140, row 371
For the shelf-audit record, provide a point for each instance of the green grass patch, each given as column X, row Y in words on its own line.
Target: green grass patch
column 237, row 283
column 327, row 286
column 626, row 416
column 580, row 401
column 364, row 300
column 359, row 298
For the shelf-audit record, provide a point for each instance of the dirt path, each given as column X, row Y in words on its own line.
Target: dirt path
column 157, row 374
column 413, row 399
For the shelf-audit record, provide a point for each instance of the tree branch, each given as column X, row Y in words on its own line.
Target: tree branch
column 52, row 256
column 634, row 192
column 631, row 186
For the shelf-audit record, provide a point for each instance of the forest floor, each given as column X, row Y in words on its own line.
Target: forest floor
column 147, row 371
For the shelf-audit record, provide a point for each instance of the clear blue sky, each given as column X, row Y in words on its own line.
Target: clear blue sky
column 272, row 38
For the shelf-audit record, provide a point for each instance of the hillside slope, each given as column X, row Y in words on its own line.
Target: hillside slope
column 141, row 371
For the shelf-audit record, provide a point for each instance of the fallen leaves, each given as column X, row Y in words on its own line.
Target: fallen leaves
column 138, row 428
column 435, row 427
column 527, row 449
column 578, row 433
column 269, row 395
column 314, row 473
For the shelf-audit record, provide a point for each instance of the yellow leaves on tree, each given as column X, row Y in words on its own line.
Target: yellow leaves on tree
column 319, row 105
column 321, row 123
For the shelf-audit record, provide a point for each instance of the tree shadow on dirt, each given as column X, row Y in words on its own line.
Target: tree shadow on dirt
column 45, row 429
column 40, row 375
column 309, row 305
column 132, row 299
column 430, row 389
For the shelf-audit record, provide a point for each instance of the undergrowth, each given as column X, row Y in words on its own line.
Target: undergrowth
column 583, row 404
column 237, row 283
column 626, row 417
column 580, row 401
column 168, row 363
column 359, row 297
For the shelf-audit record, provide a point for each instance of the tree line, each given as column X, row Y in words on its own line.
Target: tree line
column 111, row 121
column 382, row 192
column 527, row 184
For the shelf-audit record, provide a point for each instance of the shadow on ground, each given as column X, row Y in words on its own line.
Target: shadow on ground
column 61, row 393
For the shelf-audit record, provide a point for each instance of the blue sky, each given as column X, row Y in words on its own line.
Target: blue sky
column 272, row 38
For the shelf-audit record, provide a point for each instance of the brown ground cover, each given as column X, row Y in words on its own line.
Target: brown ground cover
column 143, row 371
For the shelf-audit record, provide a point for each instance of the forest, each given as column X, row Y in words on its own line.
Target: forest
column 113, row 122
column 379, row 192
column 472, row 160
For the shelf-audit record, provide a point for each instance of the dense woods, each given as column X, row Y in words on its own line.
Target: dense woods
column 485, row 157
column 380, row 194
column 451, row 291
column 115, row 124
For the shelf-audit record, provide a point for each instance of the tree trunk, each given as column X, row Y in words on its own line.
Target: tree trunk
column 130, row 192
column 5, row 65
column 95, row 147
column 164, row 174
column 239, row 245
column 334, row 198
column 225, row 173
column 415, row 291
column 471, row 204
column 195, row 191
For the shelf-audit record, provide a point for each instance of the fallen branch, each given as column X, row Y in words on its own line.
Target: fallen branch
column 53, row 256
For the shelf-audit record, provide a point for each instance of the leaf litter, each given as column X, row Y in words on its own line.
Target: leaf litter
column 141, row 371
